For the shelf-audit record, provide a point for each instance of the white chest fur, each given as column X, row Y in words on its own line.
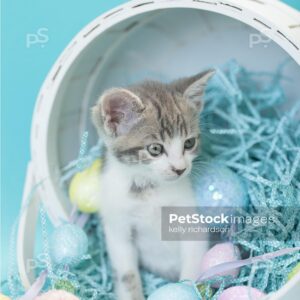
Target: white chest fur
column 140, row 213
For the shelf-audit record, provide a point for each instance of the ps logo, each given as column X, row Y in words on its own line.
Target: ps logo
column 39, row 38
column 258, row 38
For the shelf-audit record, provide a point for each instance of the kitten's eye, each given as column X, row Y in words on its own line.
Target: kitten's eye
column 155, row 149
column 189, row 143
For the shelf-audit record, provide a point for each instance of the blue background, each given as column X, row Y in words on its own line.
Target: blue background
column 23, row 71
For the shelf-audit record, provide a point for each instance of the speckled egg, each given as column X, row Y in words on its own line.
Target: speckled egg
column 221, row 253
column 175, row 291
column 68, row 244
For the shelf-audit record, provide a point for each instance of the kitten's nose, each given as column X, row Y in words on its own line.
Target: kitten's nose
column 178, row 171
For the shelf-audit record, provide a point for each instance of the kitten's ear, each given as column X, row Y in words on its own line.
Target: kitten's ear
column 117, row 111
column 195, row 91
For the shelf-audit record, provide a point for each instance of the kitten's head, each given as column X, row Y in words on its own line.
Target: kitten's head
column 153, row 127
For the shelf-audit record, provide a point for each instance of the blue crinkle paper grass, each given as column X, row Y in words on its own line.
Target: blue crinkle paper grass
column 245, row 127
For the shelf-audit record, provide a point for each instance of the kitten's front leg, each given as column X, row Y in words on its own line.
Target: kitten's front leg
column 124, row 261
column 191, row 255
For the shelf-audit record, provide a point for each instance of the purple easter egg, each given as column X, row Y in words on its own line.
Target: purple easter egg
column 219, row 254
column 241, row 293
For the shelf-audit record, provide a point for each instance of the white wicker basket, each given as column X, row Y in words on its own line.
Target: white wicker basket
column 161, row 39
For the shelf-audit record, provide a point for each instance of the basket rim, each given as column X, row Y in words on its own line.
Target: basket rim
column 247, row 12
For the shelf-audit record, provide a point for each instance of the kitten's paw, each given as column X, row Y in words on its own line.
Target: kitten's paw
column 129, row 287
column 130, row 296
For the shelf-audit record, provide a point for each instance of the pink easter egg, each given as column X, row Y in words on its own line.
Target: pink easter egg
column 221, row 253
column 56, row 295
column 241, row 293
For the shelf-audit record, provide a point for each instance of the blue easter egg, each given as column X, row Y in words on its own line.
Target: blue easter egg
column 175, row 291
column 218, row 186
column 68, row 244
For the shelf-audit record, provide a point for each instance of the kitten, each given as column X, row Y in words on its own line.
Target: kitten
column 151, row 133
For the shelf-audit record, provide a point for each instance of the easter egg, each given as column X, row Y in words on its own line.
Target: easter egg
column 241, row 293
column 294, row 271
column 56, row 295
column 218, row 186
column 68, row 244
column 84, row 188
column 3, row 297
column 220, row 253
column 175, row 291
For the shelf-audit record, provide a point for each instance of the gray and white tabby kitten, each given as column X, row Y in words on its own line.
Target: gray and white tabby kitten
column 151, row 134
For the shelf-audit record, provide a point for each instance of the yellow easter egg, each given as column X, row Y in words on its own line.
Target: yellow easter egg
column 294, row 271
column 3, row 297
column 84, row 188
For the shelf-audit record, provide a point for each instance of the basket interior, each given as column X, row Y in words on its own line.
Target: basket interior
column 164, row 45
